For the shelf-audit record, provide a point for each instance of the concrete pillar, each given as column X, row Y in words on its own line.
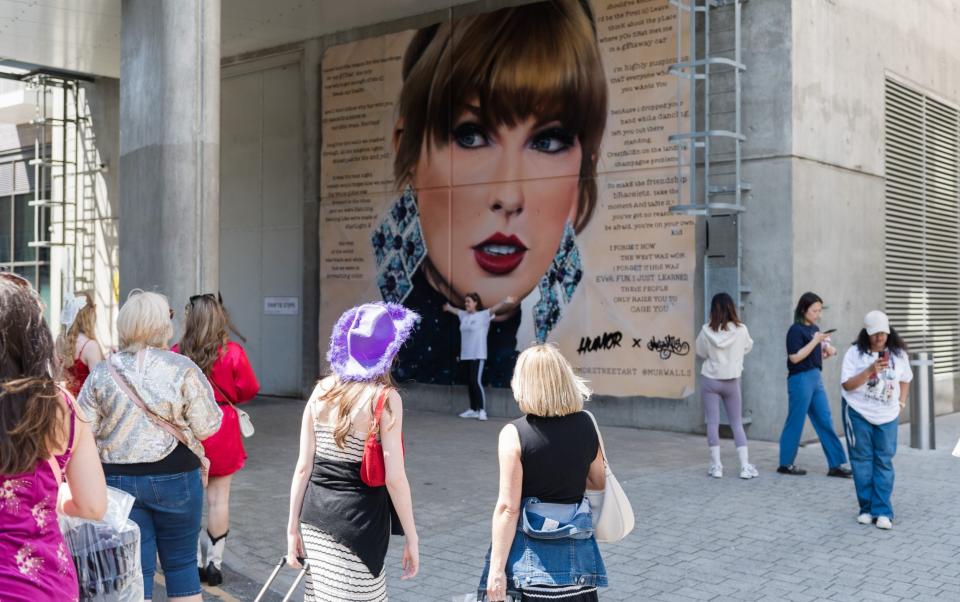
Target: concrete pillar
column 170, row 148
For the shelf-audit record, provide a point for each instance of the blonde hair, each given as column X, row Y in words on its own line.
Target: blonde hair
column 85, row 323
column 144, row 321
column 345, row 395
column 204, row 331
column 544, row 383
column 539, row 59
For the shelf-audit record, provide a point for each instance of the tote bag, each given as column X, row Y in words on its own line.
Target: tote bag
column 612, row 513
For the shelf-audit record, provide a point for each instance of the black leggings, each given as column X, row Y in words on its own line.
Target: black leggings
column 478, row 401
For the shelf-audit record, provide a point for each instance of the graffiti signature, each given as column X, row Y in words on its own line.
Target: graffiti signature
column 668, row 346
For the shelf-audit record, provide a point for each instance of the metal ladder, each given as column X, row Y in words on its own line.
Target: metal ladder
column 65, row 164
column 710, row 140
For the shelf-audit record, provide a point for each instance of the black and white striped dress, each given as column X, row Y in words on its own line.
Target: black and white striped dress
column 336, row 573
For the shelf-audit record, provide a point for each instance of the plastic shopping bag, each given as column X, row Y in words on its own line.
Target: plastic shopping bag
column 107, row 553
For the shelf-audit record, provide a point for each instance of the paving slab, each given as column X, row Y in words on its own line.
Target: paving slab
column 776, row 537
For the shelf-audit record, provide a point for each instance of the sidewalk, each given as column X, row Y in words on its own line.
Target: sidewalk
column 772, row 538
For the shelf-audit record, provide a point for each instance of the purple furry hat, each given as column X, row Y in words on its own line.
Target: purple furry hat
column 367, row 337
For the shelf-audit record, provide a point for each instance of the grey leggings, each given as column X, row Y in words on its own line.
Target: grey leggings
column 712, row 391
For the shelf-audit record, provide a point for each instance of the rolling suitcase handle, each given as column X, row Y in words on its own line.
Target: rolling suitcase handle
column 276, row 571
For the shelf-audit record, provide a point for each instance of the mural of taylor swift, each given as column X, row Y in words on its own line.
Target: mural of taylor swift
column 499, row 125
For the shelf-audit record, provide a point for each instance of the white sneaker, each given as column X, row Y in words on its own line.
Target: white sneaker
column 482, row 415
column 884, row 522
column 716, row 471
column 469, row 414
column 865, row 518
column 748, row 471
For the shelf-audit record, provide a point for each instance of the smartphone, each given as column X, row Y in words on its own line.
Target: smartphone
column 830, row 331
column 883, row 355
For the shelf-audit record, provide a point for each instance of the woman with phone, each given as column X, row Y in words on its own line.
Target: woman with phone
column 806, row 349
column 875, row 380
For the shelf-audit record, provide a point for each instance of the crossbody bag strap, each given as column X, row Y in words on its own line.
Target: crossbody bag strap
column 596, row 427
column 222, row 393
column 378, row 411
column 157, row 420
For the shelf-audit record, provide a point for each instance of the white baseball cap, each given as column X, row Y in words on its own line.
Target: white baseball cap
column 876, row 321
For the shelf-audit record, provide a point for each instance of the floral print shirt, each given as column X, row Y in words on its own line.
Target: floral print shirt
column 35, row 563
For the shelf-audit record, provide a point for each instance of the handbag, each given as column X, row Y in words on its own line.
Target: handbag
column 246, row 424
column 159, row 421
column 373, row 470
column 105, row 552
column 612, row 513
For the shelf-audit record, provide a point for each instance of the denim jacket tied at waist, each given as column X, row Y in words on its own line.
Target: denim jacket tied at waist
column 553, row 545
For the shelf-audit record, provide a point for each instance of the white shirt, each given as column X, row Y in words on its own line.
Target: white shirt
column 473, row 334
column 878, row 399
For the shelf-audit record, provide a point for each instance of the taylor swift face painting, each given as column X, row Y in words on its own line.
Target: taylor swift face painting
column 502, row 220
column 499, row 125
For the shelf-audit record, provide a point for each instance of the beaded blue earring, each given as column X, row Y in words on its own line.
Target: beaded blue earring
column 399, row 248
column 558, row 283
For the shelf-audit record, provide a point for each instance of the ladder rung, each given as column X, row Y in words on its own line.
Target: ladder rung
column 728, row 189
column 706, row 134
column 44, row 203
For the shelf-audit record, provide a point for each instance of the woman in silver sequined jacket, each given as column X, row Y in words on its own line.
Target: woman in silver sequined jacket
column 139, row 456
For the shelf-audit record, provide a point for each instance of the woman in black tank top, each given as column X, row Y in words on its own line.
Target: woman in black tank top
column 551, row 455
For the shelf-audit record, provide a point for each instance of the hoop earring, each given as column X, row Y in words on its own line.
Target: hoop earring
column 399, row 248
column 558, row 283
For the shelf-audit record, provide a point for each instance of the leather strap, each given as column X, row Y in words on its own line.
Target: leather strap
column 599, row 437
column 222, row 393
column 157, row 420
column 378, row 411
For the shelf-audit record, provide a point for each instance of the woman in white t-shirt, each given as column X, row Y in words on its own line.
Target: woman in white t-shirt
column 474, row 325
column 875, row 380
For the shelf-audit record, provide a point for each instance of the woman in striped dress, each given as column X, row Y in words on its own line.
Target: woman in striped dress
column 338, row 522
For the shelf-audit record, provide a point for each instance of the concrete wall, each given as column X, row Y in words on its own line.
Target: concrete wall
column 767, row 230
column 843, row 51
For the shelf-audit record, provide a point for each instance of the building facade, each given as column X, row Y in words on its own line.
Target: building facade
column 851, row 150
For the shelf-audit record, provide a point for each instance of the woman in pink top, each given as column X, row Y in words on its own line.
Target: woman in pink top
column 38, row 422
column 206, row 342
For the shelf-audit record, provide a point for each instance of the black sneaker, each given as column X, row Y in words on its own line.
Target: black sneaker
column 791, row 469
column 840, row 471
column 214, row 576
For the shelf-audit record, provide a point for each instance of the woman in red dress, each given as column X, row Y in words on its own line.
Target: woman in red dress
column 206, row 342
column 77, row 346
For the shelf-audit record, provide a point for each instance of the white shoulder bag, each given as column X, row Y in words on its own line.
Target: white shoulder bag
column 612, row 513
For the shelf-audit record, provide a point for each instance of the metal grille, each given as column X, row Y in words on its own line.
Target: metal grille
column 922, row 225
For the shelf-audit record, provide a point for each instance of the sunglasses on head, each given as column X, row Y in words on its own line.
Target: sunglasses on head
column 210, row 296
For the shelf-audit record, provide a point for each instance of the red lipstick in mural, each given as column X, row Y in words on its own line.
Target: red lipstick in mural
column 500, row 254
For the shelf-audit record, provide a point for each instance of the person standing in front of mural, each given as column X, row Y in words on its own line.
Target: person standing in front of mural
column 722, row 343
column 875, row 379
column 225, row 364
column 77, row 346
column 474, row 325
column 807, row 346
column 497, row 140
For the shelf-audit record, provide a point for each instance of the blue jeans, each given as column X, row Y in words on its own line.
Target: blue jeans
column 807, row 396
column 168, row 510
column 872, row 447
